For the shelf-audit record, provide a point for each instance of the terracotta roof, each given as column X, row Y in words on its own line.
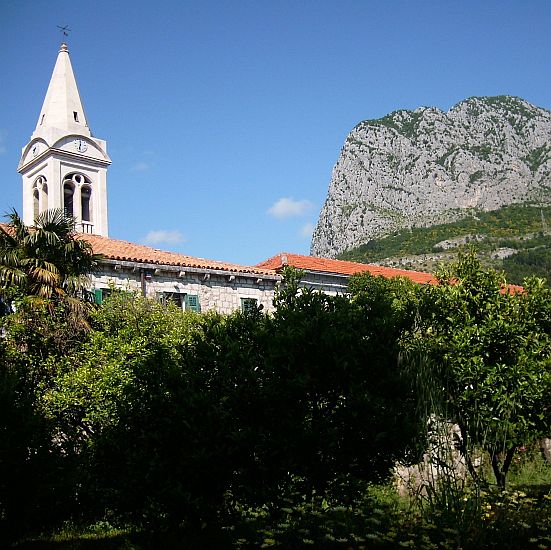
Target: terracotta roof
column 326, row 265
column 114, row 249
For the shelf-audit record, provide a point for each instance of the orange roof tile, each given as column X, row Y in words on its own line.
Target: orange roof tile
column 115, row 249
column 326, row 265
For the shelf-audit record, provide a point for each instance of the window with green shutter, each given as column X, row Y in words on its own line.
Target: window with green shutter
column 248, row 304
column 192, row 303
column 176, row 298
column 98, row 296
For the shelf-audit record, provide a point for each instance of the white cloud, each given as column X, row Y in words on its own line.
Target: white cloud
column 306, row 230
column 165, row 237
column 140, row 167
column 287, row 207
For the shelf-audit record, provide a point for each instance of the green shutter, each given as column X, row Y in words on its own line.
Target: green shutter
column 192, row 303
column 98, row 296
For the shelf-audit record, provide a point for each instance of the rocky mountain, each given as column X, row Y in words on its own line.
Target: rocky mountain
column 426, row 167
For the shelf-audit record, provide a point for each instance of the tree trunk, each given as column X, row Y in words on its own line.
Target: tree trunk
column 500, row 471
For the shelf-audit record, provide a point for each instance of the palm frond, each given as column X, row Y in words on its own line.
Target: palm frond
column 55, row 220
column 16, row 226
column 11, row 276
column 45, row 261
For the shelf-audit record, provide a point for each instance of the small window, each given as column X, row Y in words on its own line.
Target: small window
column 101, row 294
column 249, row 304
column 75, row 115
column 176, row 298
column 192, row 303
column 42, row 119
column 98, row 296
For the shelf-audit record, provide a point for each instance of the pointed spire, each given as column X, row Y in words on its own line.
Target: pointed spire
column 62, row 110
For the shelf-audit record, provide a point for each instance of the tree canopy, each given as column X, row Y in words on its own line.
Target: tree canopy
column 483, row 350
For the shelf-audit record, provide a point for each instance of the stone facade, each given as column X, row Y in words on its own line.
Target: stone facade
column 216, row 290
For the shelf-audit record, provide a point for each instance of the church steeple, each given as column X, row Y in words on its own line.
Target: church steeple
column 62, row 109
column 63, row 165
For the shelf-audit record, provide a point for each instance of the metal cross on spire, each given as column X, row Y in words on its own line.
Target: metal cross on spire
column 65, row 30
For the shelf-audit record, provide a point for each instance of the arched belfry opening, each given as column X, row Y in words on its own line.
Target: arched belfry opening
column 68, row 196
column 36, row 202
column 85, row 203
column 77, row 200
column 39, row 196
column 45, row 196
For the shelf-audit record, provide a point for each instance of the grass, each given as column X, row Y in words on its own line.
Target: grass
column 376, row 517
column 104, row 536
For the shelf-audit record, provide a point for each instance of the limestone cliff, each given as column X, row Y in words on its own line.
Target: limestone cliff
column 422, row 167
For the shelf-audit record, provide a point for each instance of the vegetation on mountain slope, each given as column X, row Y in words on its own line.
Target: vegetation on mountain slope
column 516, row 239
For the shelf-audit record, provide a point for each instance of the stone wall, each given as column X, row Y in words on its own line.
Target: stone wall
column 220, row 291
column 327, row 282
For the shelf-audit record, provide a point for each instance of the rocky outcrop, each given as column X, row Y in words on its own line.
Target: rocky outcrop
column 545, row 445
column 418, row 168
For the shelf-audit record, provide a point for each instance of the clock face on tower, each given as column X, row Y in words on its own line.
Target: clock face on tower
column 80, row 145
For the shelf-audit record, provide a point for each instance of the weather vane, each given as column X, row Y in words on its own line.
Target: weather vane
column 65, row 30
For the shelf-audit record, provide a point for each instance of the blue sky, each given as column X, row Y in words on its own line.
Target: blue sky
column 224, row 119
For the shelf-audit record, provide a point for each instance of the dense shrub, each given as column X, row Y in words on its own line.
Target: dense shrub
column 174, row 417
column 36, row 484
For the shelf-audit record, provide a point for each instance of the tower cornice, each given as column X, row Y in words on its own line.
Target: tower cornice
column 60, row 153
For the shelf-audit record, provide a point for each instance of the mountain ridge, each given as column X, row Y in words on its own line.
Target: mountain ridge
column 424, row 167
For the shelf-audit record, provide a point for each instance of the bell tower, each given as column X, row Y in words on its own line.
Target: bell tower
column 63, row 165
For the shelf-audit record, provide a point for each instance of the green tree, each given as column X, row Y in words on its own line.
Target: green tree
column 484, row 349
column 338, row 403
column 36, row 484
column 42, row 271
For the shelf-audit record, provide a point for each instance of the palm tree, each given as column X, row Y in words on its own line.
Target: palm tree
column 46, row 262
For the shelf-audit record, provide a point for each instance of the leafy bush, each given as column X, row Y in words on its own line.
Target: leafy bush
column 485, row 352
column 209, row 410
column 275, row 426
